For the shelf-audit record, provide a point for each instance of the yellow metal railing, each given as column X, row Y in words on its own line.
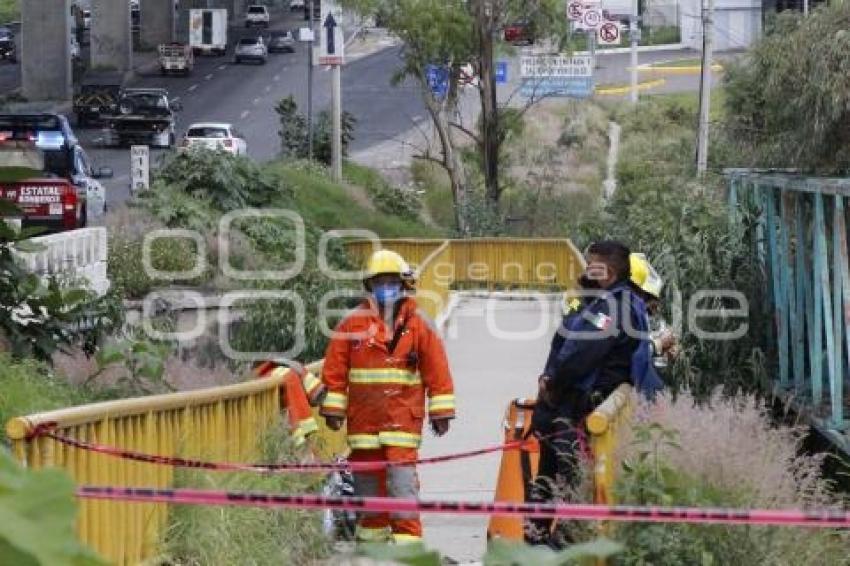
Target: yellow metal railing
column 604, row 425
column 224, row 423
column 220, row 423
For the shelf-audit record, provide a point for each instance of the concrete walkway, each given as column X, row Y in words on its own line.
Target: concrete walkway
column 496, row 349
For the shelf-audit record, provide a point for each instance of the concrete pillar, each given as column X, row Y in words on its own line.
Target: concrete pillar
column 46, row 72
column 236, row 11
column 111, row 38
column 157, row 21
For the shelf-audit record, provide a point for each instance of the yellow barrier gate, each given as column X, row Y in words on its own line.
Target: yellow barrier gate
column 224, row 423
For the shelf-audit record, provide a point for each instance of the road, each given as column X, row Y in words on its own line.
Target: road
column 496, row 350
column 246, row 95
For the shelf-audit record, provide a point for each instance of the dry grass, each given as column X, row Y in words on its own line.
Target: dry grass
column 731, row 448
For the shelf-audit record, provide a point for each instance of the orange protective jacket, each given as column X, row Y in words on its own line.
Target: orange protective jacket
column 382, row 393
column 300, row 390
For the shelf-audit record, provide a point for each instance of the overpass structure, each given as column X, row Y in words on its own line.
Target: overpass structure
column 45, row 56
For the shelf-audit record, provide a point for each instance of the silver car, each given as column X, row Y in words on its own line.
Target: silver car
column 251, row 49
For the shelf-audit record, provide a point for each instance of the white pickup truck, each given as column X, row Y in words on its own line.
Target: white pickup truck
column 176, row 58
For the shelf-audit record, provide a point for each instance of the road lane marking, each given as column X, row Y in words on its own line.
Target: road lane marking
column 175, row 99
column 209, row 77
column 191, row 88
column 244, row 114
column 277, row 77
column 255, row 101
column 268, row 89
column 222, row 67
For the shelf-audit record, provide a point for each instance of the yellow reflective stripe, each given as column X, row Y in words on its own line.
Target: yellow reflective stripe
column 366, row 534
column 304, row 428
column 380, row 376
column 363, row 441
column 400, row 439
column 279, row 372
column 401, row 538
column 310, row 381
column 335, row 401
column 441, row 403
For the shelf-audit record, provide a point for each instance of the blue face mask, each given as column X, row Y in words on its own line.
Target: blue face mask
column 386, row 293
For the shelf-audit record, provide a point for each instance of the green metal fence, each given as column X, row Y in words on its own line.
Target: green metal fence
column 800, row 237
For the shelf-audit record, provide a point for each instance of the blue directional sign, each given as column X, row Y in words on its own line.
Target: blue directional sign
column 438, row 80
column 572, row 87
column 501, row 72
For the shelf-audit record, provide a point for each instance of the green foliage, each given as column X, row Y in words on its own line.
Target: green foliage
column 143, row 362
column 125, row 263
column 499, row 553
column 788, row 101
column 221, row 536
column 294, row 142
column 27, row 386
column 683, row 227
column 225, row 181
column 10, row 11
column 647, row 478
column 37, row 514
column 396, row 201
column 327, row 205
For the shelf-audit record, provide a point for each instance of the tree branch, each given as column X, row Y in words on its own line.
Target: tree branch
column 466, row 131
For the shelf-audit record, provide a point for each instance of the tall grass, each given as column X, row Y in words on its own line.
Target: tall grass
column 224, row 536
column 728, row 452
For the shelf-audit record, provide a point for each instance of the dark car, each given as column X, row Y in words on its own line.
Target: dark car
column 8, row 49
column 281, row 42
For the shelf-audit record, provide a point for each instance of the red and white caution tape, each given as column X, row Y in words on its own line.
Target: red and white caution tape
column 271, row 468
column 585, row 512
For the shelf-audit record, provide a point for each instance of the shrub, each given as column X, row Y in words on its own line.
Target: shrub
column 38, row 511
column 391, row 200
column 293, row 132
column 726, row 452
column 225, row 181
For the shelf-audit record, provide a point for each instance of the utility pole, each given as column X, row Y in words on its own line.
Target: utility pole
column 336, row 111
column 312, row 7
column 634, row 37
column 705, row 86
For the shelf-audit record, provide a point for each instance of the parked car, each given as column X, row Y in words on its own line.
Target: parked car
column 215, row 136
column 86, row 19
column 257, row 15
column 519, row 33
column 251, row 49
column 75, row 49
column 55, row 184
column 8, row 48
column 281, row 42
column 296, row 5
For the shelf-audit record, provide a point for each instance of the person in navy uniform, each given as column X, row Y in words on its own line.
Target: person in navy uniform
column 602, row 343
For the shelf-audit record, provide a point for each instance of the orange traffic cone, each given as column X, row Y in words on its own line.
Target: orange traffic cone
column 518, row 468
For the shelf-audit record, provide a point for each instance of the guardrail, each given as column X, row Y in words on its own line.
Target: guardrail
column 799, row 234
column 224, row 422
column 76, row 254
column 604, row 425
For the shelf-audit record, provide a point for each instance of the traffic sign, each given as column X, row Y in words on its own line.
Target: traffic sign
column 140, row 175
column 501, row 72
column 537, row 66
column 609, row 33
column 437, row 77
column 575, row 10
column 570, row 87
column 331, row 42
column 592, row 18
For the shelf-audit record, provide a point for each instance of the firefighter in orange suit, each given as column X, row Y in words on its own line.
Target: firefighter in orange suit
column 383, row 360
column 301, row 390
